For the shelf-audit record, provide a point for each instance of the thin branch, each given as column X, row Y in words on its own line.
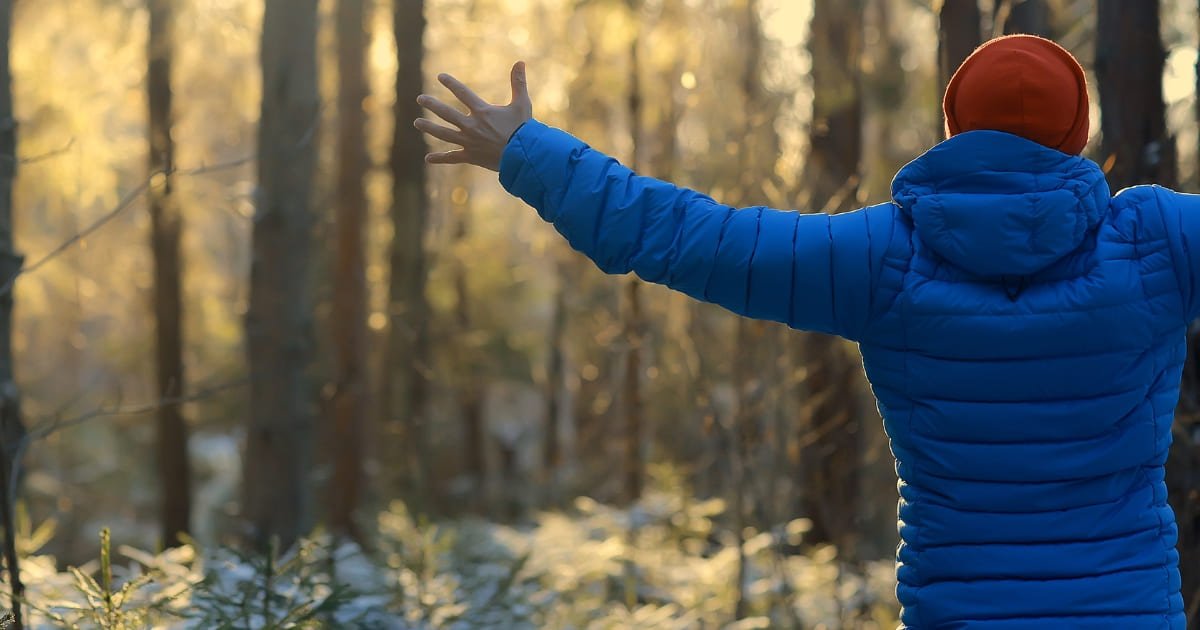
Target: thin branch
column 146, row 185
column 53, row 424
column 50, row 426
column 124, row 204
column 220, row 166
column 39, row 157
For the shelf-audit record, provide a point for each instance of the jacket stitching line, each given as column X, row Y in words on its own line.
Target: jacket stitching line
column 639, row 245
column 792, row 284
column 673, row 257
column 717, row 251
column 561, row 190
column 1181, row 283
column 750, row 262
column 835, row 322
column 536, row 175
column 905, row 321
column 602, row 203
column 901, row 264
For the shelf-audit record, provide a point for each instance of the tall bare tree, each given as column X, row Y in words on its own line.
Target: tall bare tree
column 403, row 385
column 555, row 383
column 633, row 318
column 166, row 222
column 349, row 403
column 959, row 33
column 832, row 422
column 1135, row 146
column 278, row 454
column 1031, row 17
column 577, row 283
column 555, row 364
column 757, row 343
column 12, row 429
column 469, row 385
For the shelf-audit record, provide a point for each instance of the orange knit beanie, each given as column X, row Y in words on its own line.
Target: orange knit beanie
column 1024, row 85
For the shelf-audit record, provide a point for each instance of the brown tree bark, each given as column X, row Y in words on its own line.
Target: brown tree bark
column 166, row 222
column 832, row 423
column 12, row 429
column 1136, row 149
column 471, row 382
column 278, row 455
column 403, row 384
column 555, row 363
column 593, row 422
column 634, row 322
column 470, row 385
column 960, row 32
column 754, row 344
column 1030, row 17
column 349, row 402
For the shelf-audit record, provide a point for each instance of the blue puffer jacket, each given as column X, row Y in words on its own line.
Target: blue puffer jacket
column 1022, row 329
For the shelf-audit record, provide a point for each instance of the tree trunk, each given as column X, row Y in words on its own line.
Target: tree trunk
column 555, row 363
column 12, row 430
column 631, row 394
column 403, row 385
column 831, row 425
column 165, row 227
column 470, row 385
column 1030, row 17
column 752, row 352
column 631, row 389
column 1137, row 150
column 349, row 402
column 278, row 455
column 1129, row 65
column 959, row 33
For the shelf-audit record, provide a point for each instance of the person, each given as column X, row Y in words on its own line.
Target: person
column 1022, row 328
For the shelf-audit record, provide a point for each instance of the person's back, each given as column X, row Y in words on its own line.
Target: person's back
column 1027, row 367
column 1022, row 329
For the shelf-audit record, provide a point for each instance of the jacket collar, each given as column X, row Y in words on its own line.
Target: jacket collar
column 998, row 205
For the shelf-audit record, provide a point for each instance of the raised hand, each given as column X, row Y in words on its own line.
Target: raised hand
column 484, row 131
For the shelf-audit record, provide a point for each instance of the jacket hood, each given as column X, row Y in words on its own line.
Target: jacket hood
column 997, row 205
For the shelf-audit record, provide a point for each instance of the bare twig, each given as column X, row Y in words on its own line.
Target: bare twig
column 220, row 166
column 124, row 204
column 47, row 428
column 55, row 423
column 138, row 191
column 38, row 157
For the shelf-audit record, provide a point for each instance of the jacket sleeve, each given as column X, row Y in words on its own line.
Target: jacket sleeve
column 1181, row 222
column 809, row 271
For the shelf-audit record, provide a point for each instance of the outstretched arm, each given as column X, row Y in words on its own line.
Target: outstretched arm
column 810, row 271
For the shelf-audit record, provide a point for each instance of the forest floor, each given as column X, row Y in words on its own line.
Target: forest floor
column 664, row 563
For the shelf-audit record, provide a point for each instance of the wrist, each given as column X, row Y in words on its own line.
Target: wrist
column 514, row 131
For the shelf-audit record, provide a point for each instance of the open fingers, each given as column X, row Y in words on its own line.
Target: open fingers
column 462, row 92
column 457, row 156
column 443, row 110
column 440, row 132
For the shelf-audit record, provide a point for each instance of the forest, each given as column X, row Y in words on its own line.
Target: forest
column 261, row 366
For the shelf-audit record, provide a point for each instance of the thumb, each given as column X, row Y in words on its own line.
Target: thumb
column 520, row 86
